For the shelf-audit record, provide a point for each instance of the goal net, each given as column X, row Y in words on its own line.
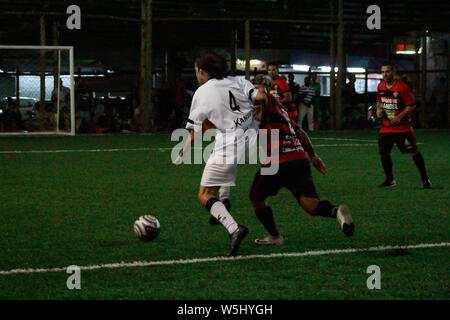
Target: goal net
column 37, row 90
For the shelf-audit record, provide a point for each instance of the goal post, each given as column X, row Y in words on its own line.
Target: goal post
column 28, row 73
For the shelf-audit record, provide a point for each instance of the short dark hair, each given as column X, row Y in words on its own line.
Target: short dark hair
column 388, row 63
column 272, row 63
column 213, row 63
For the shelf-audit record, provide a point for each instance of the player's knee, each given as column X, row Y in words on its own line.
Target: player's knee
column 202, row 197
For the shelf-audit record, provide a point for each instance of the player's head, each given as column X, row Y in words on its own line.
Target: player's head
column 351, row 77
column 387, row 71
column 261, row 82
column 210, row 65
column 272, row 70
column 291, row 77
column 307, row 81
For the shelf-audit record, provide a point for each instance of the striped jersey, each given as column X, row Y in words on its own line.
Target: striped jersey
column 288, row 144
column 307, row 94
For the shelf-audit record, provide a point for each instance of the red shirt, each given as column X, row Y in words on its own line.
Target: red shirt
column 393, row 101
column 288, row 145
column 279, row 87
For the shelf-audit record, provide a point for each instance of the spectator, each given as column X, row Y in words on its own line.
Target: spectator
column 84, row 104
column 64, row 95
column 439, row 97
column 307, row 94
column 12, row 119
column 180, row 103
column 320, row 114
column 349, row 93
column 294, row 88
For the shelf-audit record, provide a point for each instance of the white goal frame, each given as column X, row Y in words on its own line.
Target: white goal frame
column 72, row 89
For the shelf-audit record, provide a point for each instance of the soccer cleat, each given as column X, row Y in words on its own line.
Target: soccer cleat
column 388, row 183
column 344, row 217
column 236, row 239
column 213, row 221
column 426, row 183
column 270, row 240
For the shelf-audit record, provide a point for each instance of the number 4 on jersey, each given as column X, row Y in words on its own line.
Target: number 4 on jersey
column 233, row 104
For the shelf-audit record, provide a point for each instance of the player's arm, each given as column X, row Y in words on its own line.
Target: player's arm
column 307, row 145
column 261, row 105
column 188, row 144
column 408, row 99
column 379, row 110
column 404, row 113
column 194, row 125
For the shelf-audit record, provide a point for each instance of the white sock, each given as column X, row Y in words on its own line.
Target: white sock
column 224, row 193
column 221, row 213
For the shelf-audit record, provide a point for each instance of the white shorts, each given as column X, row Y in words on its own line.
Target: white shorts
column 218, row 175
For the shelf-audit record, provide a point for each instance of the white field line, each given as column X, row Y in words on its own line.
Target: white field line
column 147, row 149
column 215, row 259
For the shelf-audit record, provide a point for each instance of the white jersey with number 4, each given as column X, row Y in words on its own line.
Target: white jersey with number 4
column 227, row 104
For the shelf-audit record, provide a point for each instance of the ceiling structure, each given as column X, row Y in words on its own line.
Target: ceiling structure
column 186, row 24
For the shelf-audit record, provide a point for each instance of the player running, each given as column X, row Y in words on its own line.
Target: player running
column 395, row 103
column 226, row 102
column 294, row 153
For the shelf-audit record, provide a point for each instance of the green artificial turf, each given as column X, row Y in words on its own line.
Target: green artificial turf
column 77, row 208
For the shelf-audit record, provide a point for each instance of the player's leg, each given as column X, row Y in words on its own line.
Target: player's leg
column 224, row 197
column 301, row 184
column 214, row 176
column 208, row 198
column 262, row 186
column 406, row 142
column 325, row 208
column 301, row 114
column 310, row 118
column 385, row 144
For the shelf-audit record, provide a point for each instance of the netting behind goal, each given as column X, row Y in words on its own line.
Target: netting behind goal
column 36, row 90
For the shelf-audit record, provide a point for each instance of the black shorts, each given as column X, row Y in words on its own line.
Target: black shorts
column 293, row 175
column 406, row 142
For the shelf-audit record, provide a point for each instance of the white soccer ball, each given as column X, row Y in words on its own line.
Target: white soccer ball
column 146, row 228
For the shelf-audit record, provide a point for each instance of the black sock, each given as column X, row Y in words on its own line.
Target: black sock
column 227, row 204
column 420, row 163
column 266, row 217
column 326, row 209
column 386, row 161
column 210, row 203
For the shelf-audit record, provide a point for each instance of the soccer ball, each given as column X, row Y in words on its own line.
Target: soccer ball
column 146, row 228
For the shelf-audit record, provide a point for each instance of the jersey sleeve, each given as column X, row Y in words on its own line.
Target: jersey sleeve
column 407, row 96
column 197, row 115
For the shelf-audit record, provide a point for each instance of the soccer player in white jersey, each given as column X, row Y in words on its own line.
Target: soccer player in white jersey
column 226, row 102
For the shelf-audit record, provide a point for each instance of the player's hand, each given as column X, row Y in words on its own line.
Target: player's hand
column 257, row 112
column 178, row 160
column 319, row 165
column 396, row 120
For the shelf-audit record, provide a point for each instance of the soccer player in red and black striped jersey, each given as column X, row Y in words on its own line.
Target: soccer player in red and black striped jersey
column 395, row 103
column 280, row 89
column 295, row 154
